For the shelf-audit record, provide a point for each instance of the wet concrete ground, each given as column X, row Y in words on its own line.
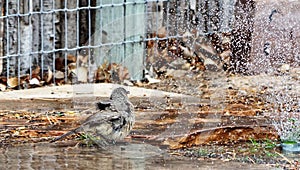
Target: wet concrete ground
column 129, row 156
column 164, row 121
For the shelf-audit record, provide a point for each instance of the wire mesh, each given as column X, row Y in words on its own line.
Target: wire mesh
column 56, row 41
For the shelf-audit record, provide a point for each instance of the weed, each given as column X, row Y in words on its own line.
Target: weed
column 265, row 147
column 202, row 152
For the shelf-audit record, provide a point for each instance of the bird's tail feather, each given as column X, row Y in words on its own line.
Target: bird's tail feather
column 63, row 136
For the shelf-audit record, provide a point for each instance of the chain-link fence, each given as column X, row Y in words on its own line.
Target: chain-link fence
column 45, row 42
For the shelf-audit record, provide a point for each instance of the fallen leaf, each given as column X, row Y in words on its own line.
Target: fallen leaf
column 1, row 65
column 34, row 81
column 36, row 70
column 48, row 76
column 123, row 73
column 3, row 80
column 71, row 59
column 83, row 60
column 71, row 67
column 59, row 64
column 59, row 75
column 161, row 32
column 12, row 82
column 2, row 87
column 103, row 73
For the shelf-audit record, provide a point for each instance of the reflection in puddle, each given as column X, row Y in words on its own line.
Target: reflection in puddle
column 46, row 156
column 129, row 156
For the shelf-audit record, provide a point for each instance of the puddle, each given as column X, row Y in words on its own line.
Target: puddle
column 25, row 135
column 126, row 156
column 49, row 156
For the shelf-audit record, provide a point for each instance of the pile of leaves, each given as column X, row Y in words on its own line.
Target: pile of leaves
column 193, row 53
column 76, row 71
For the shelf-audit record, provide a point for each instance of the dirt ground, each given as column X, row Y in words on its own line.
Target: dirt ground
column 216, row 117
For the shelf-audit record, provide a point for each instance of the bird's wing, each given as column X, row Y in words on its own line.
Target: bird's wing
column 103, row 124
column 99, row 119
column 102, row 115
column 103, row 105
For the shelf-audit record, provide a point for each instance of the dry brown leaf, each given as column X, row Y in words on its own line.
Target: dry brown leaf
column 71, row 59
column 123, row 73
column 3, row 79
column 59, row 75
column 12, row 82
column 36, row 70
column 48, row 76
column 83, row 60
column 71, row 67
column 225, row 55
column 103, row 73
column 118, row 72
column 161, row 32
column 59, row 64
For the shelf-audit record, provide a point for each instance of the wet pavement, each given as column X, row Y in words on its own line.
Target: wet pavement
column 164, row 120
column 126, row 156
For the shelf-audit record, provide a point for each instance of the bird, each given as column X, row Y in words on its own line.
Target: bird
column 113, row 120
column 267, row 48
column 273, row 12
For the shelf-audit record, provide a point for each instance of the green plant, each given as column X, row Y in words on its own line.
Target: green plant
column 288, row 142
column 269, row 144
column 87, row 139
column 202, row 152
column 270, row 154
column 265, row 147
column 254, row 147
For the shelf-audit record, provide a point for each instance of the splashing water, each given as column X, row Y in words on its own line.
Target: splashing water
column 285, row 110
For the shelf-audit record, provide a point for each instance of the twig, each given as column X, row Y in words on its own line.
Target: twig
column 142, row 136
column 48, row 118
column 251, row 160
column 285, row 158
